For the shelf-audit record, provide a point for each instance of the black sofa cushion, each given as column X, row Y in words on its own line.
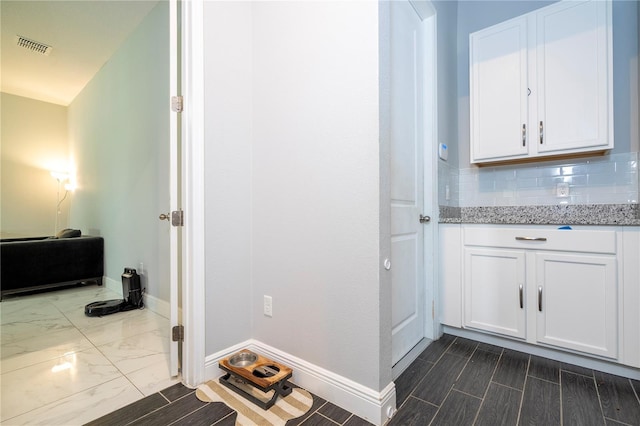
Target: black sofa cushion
column 69, row 233
column 48, row 262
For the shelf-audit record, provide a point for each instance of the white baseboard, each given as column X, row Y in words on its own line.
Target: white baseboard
column 112, row 285
column 373, row 406
column 408, row 359
column 159, row 306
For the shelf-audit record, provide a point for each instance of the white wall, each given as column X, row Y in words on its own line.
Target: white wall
column 447, row 25
column 307, row 136
column 119, row 135
column 228, row 139
column 34, row 143
column 315, row 214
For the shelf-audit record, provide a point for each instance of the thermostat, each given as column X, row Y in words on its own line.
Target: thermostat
column 443, row 151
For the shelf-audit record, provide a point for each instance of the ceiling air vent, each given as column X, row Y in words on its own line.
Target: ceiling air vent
column 34, row 46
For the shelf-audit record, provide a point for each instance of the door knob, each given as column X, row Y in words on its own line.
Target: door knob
column 425, row 219
column 165, row 217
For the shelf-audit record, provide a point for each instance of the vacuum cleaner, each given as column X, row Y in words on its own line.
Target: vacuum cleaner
column 130, row 286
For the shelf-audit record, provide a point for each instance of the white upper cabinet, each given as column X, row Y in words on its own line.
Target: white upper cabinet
column 573, row 76
column 499, row 107
column 541, row 85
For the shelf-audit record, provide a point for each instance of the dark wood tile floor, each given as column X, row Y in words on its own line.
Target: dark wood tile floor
column 455, row 382
column 178, row 405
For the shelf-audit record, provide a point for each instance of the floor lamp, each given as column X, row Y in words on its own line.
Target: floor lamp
column 61, row 178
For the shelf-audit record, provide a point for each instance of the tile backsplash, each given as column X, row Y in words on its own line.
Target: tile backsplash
column 609, row 179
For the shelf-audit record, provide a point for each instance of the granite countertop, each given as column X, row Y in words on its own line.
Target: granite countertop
column 567, row 214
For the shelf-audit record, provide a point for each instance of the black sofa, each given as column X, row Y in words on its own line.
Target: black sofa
column 39, row 263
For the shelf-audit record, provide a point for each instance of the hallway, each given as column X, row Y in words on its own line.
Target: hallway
column 59, row 366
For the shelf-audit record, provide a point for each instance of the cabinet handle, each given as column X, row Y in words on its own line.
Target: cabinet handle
column 541, row 133
column 540, row 298
column 531, row 238
column 521, row 297
column 524, row 135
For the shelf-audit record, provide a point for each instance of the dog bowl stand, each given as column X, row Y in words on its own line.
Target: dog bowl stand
column 262, row 374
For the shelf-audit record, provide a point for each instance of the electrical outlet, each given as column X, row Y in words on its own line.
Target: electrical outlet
column 268, row 306
column 562, row 190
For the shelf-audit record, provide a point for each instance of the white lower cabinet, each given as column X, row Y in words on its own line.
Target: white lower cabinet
column 542, row 285
column 577, row 302
column 494, row 291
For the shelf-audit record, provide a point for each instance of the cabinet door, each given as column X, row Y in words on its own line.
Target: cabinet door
column 494, row 291
column 577, row 302
column 573, row 65
column 498, row 91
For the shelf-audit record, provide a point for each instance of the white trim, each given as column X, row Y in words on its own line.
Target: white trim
column 424, row 9
column 430, row 175
column 193, row 253
column 364, row 402
column 411, row 356
column 112, row 285
column 211, row 361
column 174, row 188
column 562, row 356
column 159, row 306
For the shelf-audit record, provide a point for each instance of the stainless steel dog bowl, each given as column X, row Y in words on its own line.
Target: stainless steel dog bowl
column 242, row 359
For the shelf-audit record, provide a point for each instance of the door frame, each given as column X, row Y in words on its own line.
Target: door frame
column 174, row 190
column 193, row 244
column 430, row 186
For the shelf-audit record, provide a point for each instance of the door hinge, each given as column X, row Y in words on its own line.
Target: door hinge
column 177, row 218
column 177, row 333
column 433, row 309
column 177, row 104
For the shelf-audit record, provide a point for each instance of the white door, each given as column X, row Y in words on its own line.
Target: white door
column 174, row 186
column 407, row 171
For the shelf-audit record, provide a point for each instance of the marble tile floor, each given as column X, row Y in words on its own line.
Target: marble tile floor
column 60, row 367
column 454, row 382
